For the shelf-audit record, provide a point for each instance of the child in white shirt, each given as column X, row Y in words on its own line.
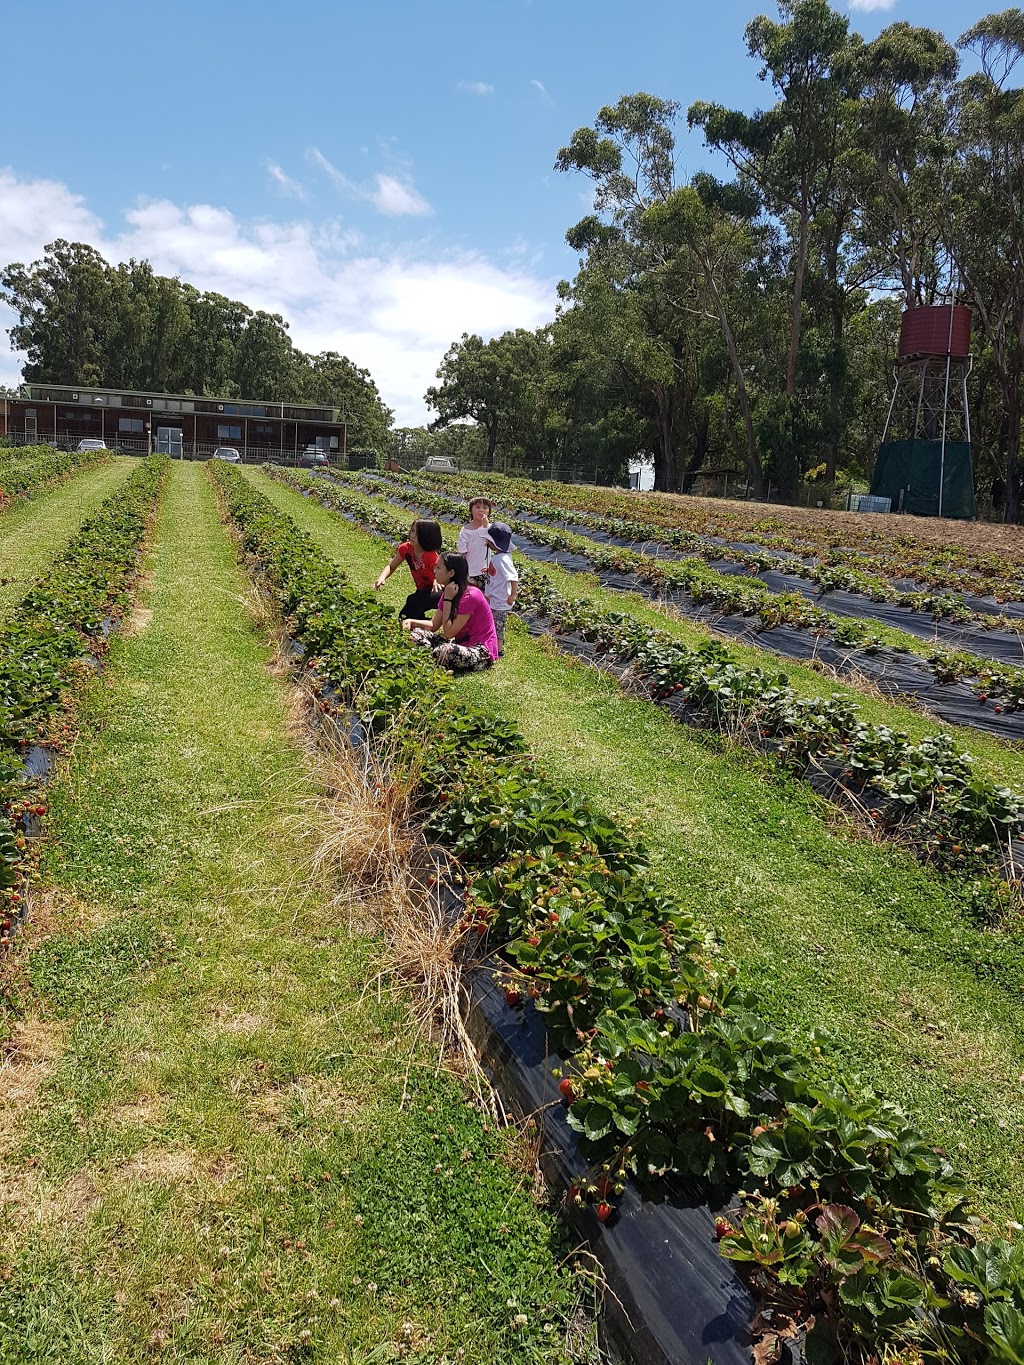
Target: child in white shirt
column 472, row 540
column 502, row 587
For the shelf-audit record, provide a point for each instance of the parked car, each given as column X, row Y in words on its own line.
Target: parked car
column 91, row 443
column 439, row 464
column 228, row 453
column 312, row 458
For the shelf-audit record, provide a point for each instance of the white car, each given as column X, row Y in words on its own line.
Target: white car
column 439, row 464
column 228, row 453
column 91, row 443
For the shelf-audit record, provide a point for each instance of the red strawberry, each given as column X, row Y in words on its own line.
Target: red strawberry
column 603, row 1211
column 565, row 1089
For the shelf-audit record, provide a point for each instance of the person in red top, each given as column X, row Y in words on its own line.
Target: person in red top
column 420, row 553
column 461, row 631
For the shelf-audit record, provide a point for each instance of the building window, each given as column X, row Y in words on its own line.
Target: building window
column 263, row 429
column 228, row 433
column 131, row 425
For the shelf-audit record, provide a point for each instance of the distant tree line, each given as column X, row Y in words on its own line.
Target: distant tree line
column 750, row 322
column 84, row 321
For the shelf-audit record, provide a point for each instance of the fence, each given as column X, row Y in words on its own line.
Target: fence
column 187, row 450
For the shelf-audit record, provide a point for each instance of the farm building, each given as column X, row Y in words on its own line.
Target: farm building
column 176, row 424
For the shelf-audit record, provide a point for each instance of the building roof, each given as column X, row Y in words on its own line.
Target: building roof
column 181, row 402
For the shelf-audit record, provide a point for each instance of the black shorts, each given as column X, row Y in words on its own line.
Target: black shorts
column 420, row 605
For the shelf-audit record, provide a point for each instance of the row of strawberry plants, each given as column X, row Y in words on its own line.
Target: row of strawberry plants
column 670, row 1070
column 845, row 538
column 1001, row 683
column 927, row 796
column 29, row 469
column 834, row 570
column 42, row 644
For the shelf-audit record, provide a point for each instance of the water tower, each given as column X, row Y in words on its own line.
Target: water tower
column 924, row 461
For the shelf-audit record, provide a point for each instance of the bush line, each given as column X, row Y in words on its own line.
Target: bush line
column 841, row 559
column 848, row 1215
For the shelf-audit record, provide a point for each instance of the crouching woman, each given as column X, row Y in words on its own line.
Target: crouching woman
column 461, row 632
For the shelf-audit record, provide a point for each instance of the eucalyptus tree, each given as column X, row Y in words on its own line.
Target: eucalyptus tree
column 62, row 302
column 904, row 142
column 490, row 383
column 655, row 258
column 796, row 154
column 983, row 212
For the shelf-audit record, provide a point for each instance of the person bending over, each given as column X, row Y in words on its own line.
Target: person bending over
column 461, row 630
column 420, row 552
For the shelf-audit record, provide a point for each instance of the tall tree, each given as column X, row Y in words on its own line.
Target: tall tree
column 661, row 254
column 485, row 382
column 63, row 307
column 904, row 140
column 983, row 205
column 793, row 151
column 333, row 380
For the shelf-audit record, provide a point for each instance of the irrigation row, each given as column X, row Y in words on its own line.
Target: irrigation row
column 61, row 625
column 772, row 597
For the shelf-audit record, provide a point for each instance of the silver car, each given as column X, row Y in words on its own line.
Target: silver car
column 228, row 453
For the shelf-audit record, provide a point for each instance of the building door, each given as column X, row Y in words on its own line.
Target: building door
column 31, row 427
column 168, row 441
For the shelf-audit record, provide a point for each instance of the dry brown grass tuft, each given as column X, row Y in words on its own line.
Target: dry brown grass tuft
column 393, row 884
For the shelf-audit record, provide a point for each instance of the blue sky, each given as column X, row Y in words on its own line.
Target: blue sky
column 380, row 173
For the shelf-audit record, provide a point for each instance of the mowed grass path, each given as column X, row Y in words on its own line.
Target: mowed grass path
column 34, row 531
column 220, row 1147
column 833, row 932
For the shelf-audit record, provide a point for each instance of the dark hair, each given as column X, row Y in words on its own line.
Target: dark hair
column 458, row 567
column 480, row 498
column 428, row 533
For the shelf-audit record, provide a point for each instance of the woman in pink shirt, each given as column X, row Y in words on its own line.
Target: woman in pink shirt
column 461, row 632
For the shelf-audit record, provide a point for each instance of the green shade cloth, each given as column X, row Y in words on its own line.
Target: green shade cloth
column 912, row 467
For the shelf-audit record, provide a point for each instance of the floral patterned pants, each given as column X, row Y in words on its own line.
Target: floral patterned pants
column 456, row 658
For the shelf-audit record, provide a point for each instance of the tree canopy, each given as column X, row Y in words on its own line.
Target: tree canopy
column 747, row 321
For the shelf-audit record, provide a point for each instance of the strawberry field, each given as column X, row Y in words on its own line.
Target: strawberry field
column 734, row 931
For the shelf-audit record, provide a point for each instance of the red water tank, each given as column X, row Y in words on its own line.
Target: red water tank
column 938, row 329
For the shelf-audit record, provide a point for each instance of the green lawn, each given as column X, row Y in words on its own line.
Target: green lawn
column 35, row 530
column 833, row 932
column 224, row 1151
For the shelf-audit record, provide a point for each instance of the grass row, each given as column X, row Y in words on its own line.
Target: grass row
column 237, row 1153
column 34, row 531
column 836, row 936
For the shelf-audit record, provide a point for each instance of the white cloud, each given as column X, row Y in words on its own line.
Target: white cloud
column 394, row 311
column 390, row 195
column 543, row 91
column 284, row 182
column 475, row 87
column 397, row 198
column 869, row 6
column 333, row 174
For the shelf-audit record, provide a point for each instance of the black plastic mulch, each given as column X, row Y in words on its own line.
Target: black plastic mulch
column 896, row 674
